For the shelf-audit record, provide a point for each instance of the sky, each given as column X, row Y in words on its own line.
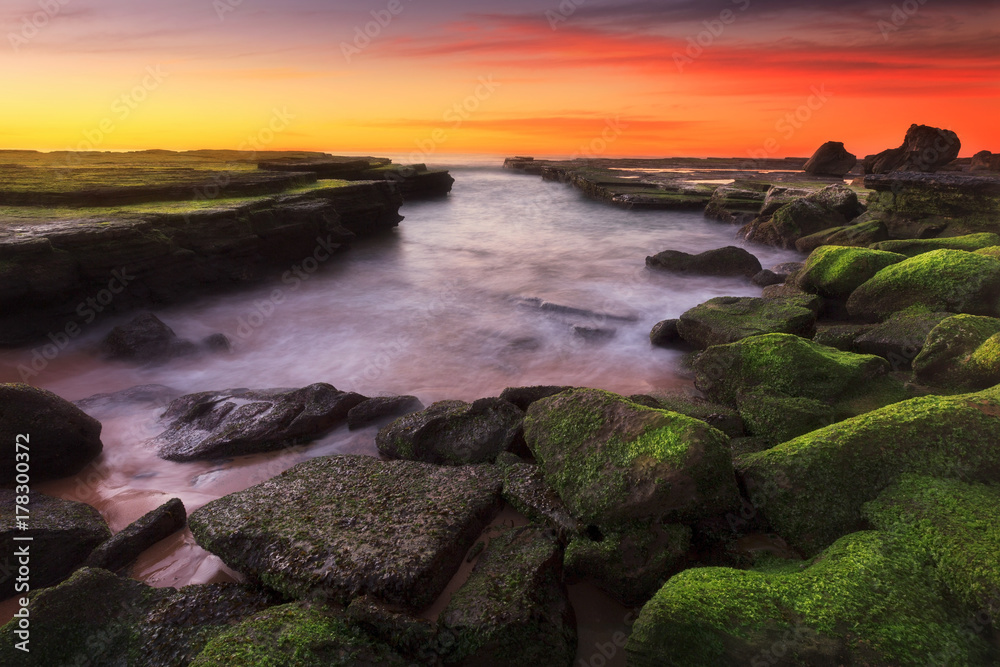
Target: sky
column 425, row 78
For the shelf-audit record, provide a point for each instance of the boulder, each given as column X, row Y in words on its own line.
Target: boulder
column 382, row 409
column 775, row 418
column 412, row 636
column 453, row 432
column 961, row 353
column 121, row 550
column 345, row 526
column 766, row 278
column 523, row 397
column 524, row 488
column 97, row 618
column 716, row 415
column 924, row 149
column 831, row 159
column 920, row 206
column 613, row 461
column 236, row 422
column 813, row 488
column 666, row 334
column 861, row 234
column 900, row 338
column 802, row 217
column 145, row 339
column 985, row 161
column 63, row 533
column 735, row 204
column 940, row 280
column 728, row 261
column 514, row 609
column 780, row 195
column 835, row 271
column 914, row 247
column 57, row 436
column 727, row 319
column 299, row 635
column 629, row 563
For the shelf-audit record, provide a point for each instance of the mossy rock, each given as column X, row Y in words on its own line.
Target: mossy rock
column 784, row 365
column 97, row 618
column 778, row 418
column 345, row 526
column 812, row 488
column 296, row 635
column 900, row 338
column 861, row 234
column 716, row 415
column 613, row 461
column 961, row 353
column 629, row 563
column 836, row 271
column 992, row 251
column 866, row 600
column 453, row 432
column 941, row 280
column 728, row 319
column 514, row 609
column 914, row 247
column 525, row 489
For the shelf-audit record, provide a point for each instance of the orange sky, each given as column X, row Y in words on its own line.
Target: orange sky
column 542, row 78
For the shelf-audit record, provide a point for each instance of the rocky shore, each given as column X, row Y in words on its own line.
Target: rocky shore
column 827, row 497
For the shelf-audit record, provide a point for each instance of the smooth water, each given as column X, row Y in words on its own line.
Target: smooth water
column 448, row 306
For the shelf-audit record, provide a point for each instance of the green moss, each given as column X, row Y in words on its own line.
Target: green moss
column 725, row 320
column 780, row 418
column 951, row 356
column 836, row 271
column 812, row 488
column 992, row 251
column 943, row 280
column 914, row 247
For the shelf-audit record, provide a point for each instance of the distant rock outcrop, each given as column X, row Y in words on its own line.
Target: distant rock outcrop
column 925, row 149
column 831, row 159
column 985, row 161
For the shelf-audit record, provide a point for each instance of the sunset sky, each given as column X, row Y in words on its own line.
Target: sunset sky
column 668, row 77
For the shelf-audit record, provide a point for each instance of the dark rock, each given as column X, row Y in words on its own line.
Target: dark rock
column 218, row 343
column 453, row 432
column 985, row 161
column 62, row 532
column 735, row 204
column 237, row 422
column 121, row 550
column 145, row 340
column 97, row 618
column 344, row 526
column 525, row 489
column 613, row 461
column 862, row 234
column 514, row 609
column 715, row 415
column 918, row 206
column 925, row 149
column 831, row 159
column 962, row 353
column 523, row 397
column 766, row 278
column 728, row 261
column 59, row 437
column 779, row 196
column 665, row 334
column 396, row 627
column 728, row 319
column 830, row 207
column 776, row 418
column 594, row 334
column 382, row 408
column 900, row 338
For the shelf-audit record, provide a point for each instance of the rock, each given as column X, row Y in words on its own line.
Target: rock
column 121, row 550
column 97, row 618
column 900, row 338
column 871, row 598
column 735, row 204
column 781, row 364
column 914, row 247
column 594, row 334
column 916, row 206
column 924, row 149
column 835, row 272
column 940, row 280
column 813, row 487
column 779, row 196
column 833, row 206
column 296, row 634
column 237, row 422
column 62, row 532
column 666, row 334
column 218, row 343
column 514, row 609
column 985, row 161
column 862, row 234
column 776, row 418
column 382, row 409
column 962, row 353
column 728, row 261
column 716, row 415
column 145, row 339
column 346, row 526
column 728, row 319
column 766, row 278
column 525, row 489
column 453, row 432
column 631, row 563
column 523, row 397
column 831, row 159
column 613, row 461
column 59, row 438
column 393, row 625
